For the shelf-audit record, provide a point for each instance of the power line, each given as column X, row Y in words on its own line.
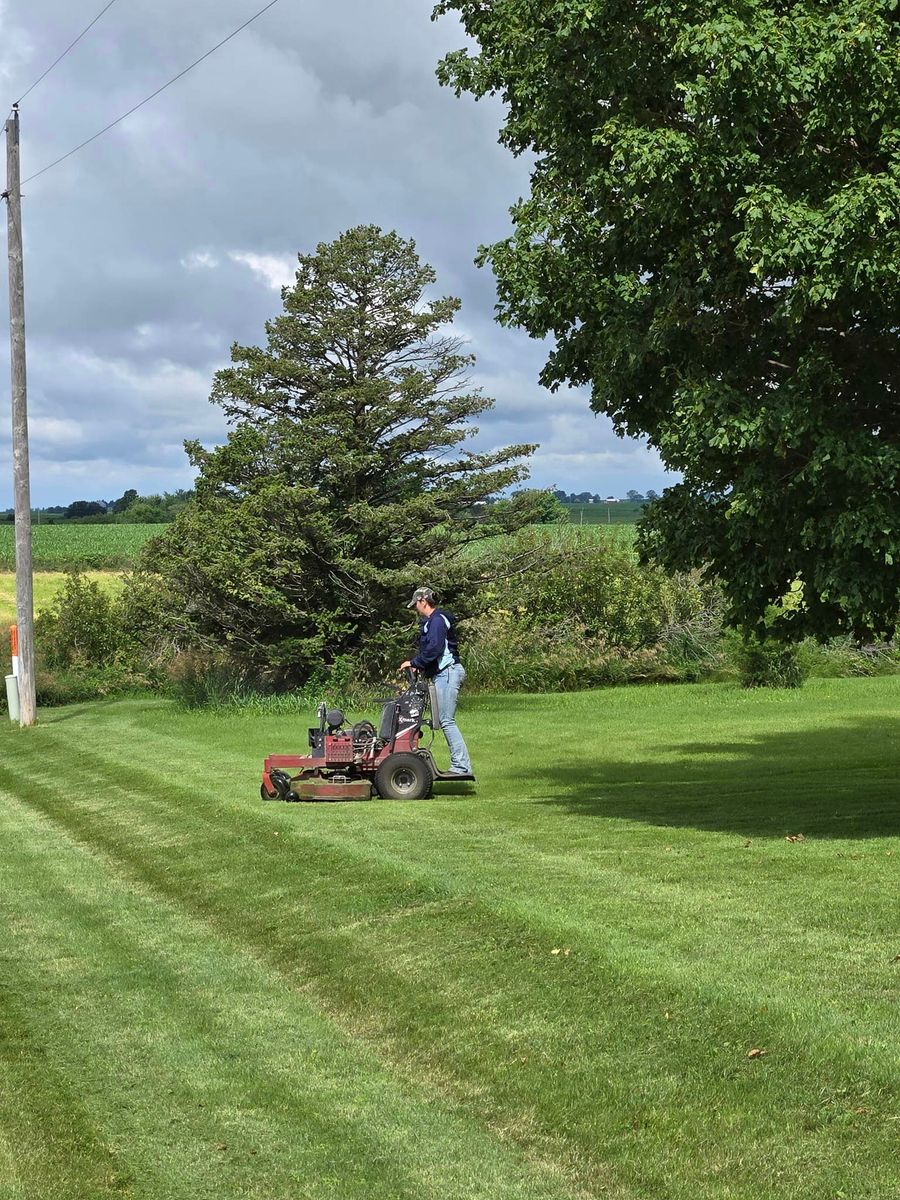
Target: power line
column 152, row 95
column 72, row 46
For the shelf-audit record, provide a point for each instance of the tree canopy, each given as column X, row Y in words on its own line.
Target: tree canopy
column 345, row 480
column 712, row 239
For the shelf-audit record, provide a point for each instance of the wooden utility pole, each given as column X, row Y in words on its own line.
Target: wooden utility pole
column 21, row 483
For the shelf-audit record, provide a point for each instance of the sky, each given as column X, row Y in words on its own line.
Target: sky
column 151, row 251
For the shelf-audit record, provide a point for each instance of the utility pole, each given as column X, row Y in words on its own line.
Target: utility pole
column 21, row 484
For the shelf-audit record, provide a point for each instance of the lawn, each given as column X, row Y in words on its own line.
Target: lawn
column 606, row 974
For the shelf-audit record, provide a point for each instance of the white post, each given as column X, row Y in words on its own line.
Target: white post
column 12, row 697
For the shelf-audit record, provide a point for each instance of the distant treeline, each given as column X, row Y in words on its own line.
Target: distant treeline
column 593, row 498
column 162, row 508
column 129, row 509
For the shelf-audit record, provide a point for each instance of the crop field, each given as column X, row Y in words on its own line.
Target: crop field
column 624, row 512
column 90, row 547
column 561, row 535
column 655, row 956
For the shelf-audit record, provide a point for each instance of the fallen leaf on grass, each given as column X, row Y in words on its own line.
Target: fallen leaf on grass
column 896, row 958
column 556, row 950
column 559, row 950
column 795, row 837
column 756, row 1053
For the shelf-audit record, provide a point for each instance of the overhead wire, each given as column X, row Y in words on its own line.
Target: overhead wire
column 152, row 95
column 71, row 46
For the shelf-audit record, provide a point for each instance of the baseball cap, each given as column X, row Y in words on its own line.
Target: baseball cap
column 421, row 593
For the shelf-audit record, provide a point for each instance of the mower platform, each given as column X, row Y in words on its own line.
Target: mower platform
column 454, row 777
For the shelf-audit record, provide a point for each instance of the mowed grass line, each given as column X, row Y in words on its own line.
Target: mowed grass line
column 613, row 825
column 179, row 1066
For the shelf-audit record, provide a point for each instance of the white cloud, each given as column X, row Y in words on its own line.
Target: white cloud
column 275, row 270
column 53, row 432
column 152, row 250
column 199, row 260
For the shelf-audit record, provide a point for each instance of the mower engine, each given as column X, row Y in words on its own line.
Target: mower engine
column 358, row 762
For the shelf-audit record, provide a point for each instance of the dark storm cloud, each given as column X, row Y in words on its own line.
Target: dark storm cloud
column 153, row 249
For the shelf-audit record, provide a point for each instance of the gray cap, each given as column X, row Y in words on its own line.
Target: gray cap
column 421, row 593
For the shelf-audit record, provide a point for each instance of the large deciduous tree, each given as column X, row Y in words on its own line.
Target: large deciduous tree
column 345, row 479
column 713, row 240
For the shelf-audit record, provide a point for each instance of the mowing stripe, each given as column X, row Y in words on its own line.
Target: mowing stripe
column 205, row 1075
column 427, row 930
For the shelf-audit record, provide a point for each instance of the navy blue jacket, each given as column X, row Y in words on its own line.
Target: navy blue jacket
column 437, row 633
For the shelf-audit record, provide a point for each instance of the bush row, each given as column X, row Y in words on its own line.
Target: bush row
column 546, row 615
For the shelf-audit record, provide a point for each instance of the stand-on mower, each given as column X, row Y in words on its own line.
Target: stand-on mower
column 358, row 762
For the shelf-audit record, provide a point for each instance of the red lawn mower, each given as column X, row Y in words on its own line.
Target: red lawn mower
column 358, row 762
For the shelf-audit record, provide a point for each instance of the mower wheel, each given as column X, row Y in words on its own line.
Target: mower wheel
column 404, row 777
column 281, row 783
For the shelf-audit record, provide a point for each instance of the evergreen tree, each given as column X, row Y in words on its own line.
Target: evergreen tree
column 345, row 480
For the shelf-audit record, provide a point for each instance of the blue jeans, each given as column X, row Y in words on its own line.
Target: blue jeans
column 447, row 684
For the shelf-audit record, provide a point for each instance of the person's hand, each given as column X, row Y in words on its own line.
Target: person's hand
column 404, row 665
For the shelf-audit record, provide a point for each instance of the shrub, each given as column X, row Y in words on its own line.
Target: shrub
column 90, row 643
column 695, row 648
column 73, row 686
column 576, row 613
column 597, row 584
column 81, row 627
column 201, row 679
column 503, row 655
column 211, row 679
column 844, row 657
column 766, row 662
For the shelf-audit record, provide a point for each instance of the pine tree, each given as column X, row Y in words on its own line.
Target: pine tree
column 345, row 480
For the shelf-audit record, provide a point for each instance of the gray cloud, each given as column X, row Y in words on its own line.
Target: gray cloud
column 152, row 250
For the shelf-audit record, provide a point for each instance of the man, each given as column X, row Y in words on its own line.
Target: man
column 438, row 661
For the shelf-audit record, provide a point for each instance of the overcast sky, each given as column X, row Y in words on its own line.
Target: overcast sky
column 148, row 253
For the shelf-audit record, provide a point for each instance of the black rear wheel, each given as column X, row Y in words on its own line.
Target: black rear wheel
column 404, row 776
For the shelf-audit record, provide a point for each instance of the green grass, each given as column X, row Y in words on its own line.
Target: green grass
column 90, row 547
column 46, row 586
column 204, row 995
